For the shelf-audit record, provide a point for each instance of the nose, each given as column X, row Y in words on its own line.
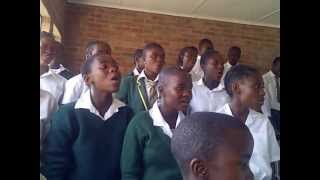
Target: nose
column 113, row 69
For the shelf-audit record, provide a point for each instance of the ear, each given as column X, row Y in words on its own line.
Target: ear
column 198, row 168
column 87, row 79
column 235, row 88
column 160, row 89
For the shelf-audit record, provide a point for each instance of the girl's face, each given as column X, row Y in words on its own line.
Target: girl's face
column 154, row 60
column 47, row 51
column 213, row 69
column 104, row 75
column 176, row 93
column 188, row 60
column 251, row 91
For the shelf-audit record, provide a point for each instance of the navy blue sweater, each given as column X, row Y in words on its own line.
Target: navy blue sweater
column 81, row 146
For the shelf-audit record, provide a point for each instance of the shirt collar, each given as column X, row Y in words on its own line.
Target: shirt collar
column 251, row 116
column 135, row 72
column 84, row 102
column 58, row 70
column 220, row 87
column 158, row 119
column 143, row 75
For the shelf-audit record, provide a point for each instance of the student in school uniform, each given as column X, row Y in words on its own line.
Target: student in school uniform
column 138, row 63
column 244, row 84
column 56, row 65
column 86, row 136
column 49, row 81
column 139, row 92
column 234, row 55
column 187, row 59
column 208, row 94
column 212, row 146
column 196, row 71
column 48, row 105
column 272, row 88
column 146, row 150
column 76, row 86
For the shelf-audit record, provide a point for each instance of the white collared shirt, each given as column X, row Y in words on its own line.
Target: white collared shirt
column 271, row 90
column 48, row 105
column 74, row 89
column 84, row 102
column 266, row 148
column 159, row 121
column 59, row 70
column 196, row 72
column 53, row 83
column 148, row 86
column 204, row 99
column 227, row 66
column 135, row 72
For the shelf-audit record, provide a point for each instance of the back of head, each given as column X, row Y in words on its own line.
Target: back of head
column 205, row 41
column 237, row 73
column 92, row 44
column 191, row 49
column 276, row 60
column 201, row 134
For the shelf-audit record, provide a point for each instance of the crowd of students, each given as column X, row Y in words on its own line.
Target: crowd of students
column 201, row 119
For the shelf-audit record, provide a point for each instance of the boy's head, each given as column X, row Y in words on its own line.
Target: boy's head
column 234, row 54
column 276, row 66
column 187, row 58
column 47, row 48
column 102, row 72
column 245, row 84
column 212, row 146
column 211, row 63
column 97, row 47
column 153, row 56
column 174, row 88
column 138, row 60
column 204, row 45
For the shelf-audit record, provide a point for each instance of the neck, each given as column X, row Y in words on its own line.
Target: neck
column 43, row 69
column 101, row 100
column 170, row 115
column 55, row 66
column 211, row 84
column 150, row 75
column 239, row 110
column 275, row 74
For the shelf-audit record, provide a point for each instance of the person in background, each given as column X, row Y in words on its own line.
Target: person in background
column 204, row 45
column 208, row 93
column 213, row 146
column 138, row 63
column 234, row 55
column 139, row 92
column 272, row 88
column 187, row 59
column 56, row 63
column 244, row 85
column 76, row 86
column 49, row 81
column 86, row 136
column 146, row 150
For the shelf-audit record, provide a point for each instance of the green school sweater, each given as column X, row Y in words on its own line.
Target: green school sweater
column 146, row 153
column 129, row 93
column 81, row 146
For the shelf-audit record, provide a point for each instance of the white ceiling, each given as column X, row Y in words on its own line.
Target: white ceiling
column 253, row 12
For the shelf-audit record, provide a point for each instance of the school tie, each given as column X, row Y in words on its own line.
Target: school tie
column 278, row 88
column 153, row 92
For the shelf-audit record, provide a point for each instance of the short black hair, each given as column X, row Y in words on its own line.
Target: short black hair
column 236, row 73
column 206, row 41
column 276, row 60
column 92, row 44
column 235, row 48
column 200, row 134
column 137, row 54
column 183, row 51
column 210, row 53
column 152, row 45
column 86, row 66
column 169, row 71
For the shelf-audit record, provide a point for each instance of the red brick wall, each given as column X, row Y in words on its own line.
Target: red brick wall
column 127, row 30
column 56, row 10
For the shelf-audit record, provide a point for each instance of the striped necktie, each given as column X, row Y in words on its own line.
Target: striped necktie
column 153, row 95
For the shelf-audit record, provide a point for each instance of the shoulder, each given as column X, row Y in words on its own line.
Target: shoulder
column 141, row 119
column 76, row 80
